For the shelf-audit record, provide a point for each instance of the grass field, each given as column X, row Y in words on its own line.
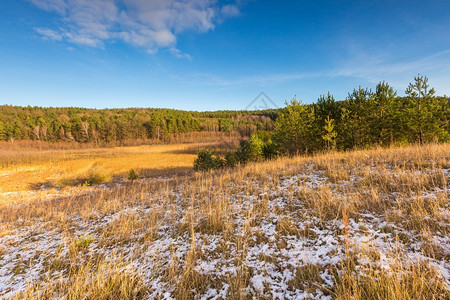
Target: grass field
column 32, row 172
column 372, row 224
column 60, row 167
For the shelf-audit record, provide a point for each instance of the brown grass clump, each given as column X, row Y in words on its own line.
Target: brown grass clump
column 102, row 280
column 416, row 281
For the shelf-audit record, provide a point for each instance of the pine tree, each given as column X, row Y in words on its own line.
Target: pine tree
column 425, row 112
column 360, row 108
column 132, row 175
column 386, row 124
column 293, row 129
column 330, row 134
column 326, row 107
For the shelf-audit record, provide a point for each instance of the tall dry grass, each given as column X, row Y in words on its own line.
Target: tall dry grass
column 395, row 197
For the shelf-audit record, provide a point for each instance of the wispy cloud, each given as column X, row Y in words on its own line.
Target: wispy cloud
column 364, row 67
column 230, row 10
column 177, row 53
column 276, row 78
column 49, row 34
column 148, row 24
column 376, row 67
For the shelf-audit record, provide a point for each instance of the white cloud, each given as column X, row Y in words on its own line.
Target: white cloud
column 150, row 24
column 51, row 5
column 179, row 54
column 49, row 34
column 230, row 10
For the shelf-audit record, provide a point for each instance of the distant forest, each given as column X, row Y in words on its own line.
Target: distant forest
column 363, row 119
column 110, row 125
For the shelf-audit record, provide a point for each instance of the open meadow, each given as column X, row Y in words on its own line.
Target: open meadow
column 367, row 224
column 27, row 174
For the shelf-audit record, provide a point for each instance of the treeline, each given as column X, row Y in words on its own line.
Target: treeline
column 112, row 125
column 366, row 118
column 91, row 125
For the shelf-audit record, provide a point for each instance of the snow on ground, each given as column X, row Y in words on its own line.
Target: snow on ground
column 272, row 257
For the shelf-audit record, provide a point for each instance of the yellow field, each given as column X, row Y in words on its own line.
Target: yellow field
column 46, row 170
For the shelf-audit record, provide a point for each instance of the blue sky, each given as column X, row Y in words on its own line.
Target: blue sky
column 213, row 55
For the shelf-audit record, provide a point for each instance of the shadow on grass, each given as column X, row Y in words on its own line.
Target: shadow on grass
column 115, row 179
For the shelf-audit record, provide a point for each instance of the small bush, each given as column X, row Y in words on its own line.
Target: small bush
column 205, row 161
column 231, row 159
column 83, row 242
column 257, row 148
column 97, row 175
column 219, row 162
column 132, row 175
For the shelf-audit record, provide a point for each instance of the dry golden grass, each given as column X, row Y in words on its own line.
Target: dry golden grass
column 46, row 169
column 28, row 152
column 33, row 170
column 372, row 224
